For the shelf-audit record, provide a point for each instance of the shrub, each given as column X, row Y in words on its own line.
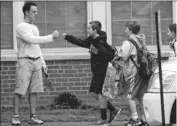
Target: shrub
column 67, row 100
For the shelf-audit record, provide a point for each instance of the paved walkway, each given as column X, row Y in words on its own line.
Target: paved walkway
column 119, row 123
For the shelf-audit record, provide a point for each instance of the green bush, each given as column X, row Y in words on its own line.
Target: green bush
column 66, row 100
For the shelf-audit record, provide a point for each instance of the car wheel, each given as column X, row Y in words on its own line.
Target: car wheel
column 173, row 115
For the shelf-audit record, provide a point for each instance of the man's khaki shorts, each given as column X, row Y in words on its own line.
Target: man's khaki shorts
column 29, row 76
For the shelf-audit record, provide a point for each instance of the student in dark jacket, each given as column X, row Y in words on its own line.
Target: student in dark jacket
column 100, row 56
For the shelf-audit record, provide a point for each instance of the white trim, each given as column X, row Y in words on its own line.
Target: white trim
column 108, row 22
column 174, row 11
column 17, row 16
column 99, row 12
column 89, row 11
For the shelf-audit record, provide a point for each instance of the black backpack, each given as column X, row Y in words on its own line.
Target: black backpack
column 146, row 61
column 112, row 50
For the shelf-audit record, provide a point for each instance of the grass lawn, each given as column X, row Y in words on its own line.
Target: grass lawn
column 50, row 114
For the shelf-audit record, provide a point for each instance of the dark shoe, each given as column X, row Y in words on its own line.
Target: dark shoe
column 113, row 115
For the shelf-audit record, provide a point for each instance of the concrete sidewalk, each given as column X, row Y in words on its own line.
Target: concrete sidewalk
column 118, row 123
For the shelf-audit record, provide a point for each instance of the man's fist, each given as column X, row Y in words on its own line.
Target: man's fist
column 64, row 35
column 55, row 34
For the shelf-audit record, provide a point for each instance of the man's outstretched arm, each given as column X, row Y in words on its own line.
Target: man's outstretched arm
column 28, row 37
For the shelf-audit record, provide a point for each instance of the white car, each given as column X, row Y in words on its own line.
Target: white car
column 152, row 100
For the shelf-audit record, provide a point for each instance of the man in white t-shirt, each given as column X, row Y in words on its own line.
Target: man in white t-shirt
column 30, row 62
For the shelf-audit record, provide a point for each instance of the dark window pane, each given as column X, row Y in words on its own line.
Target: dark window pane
column 6, row 36
column 56, row 11
column 121, row 10
column 76, row 11
column 146, row 27
column 141, row 10
column 69, row 17
column 40, row 18
column 143, row 13
column 165, row 38
column 165, row 8
column 164, row 25
column 6, row 25
column 118, row 34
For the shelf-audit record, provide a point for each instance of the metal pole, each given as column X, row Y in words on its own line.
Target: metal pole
column 159, row 41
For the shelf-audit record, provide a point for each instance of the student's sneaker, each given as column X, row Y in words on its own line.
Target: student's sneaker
column 16, row 120
column 35, row 120
column 114, row 114
column 143, row 123
column 134, row 122
column 101, row 123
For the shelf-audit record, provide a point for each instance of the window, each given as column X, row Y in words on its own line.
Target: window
column 144, row 13
column 65, row 16
column 6, row 25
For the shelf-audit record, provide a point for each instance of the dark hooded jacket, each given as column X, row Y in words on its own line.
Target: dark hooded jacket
column 98, row 48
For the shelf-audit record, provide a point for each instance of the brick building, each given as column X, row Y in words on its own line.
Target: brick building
column 69, row 65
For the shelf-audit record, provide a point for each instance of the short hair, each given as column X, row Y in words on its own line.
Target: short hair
column 133, row 26
column 96, row 25
column 172, row 27
column 27, row 6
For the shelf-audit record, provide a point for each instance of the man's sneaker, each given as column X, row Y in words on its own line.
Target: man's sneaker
column 134, row 122
column 35, row 120
column 114, row 114
column 101, row 123
column 16, row 120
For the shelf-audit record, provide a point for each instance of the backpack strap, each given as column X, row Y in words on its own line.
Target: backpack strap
column 134, row 43
column 137, row 47
column 173, row 45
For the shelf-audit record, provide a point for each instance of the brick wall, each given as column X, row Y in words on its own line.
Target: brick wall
column 72, row 76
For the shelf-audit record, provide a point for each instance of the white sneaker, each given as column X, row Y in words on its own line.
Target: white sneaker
column 16, row 120
column 100, row 123
column 35, row 120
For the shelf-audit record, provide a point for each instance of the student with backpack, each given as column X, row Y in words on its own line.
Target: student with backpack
column 173, row 44
column 101, row 55
column 134, row 82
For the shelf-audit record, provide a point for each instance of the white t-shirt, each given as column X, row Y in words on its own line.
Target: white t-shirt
column 129, row 68
column 28, row 40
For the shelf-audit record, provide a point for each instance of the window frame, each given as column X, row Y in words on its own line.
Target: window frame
column 10, row 51
column 48, row 53
column 151, row 48
column 74, row 52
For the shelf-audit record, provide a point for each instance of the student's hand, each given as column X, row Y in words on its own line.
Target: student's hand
column 63, row 35
column 44, row 68
column 55, row 34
